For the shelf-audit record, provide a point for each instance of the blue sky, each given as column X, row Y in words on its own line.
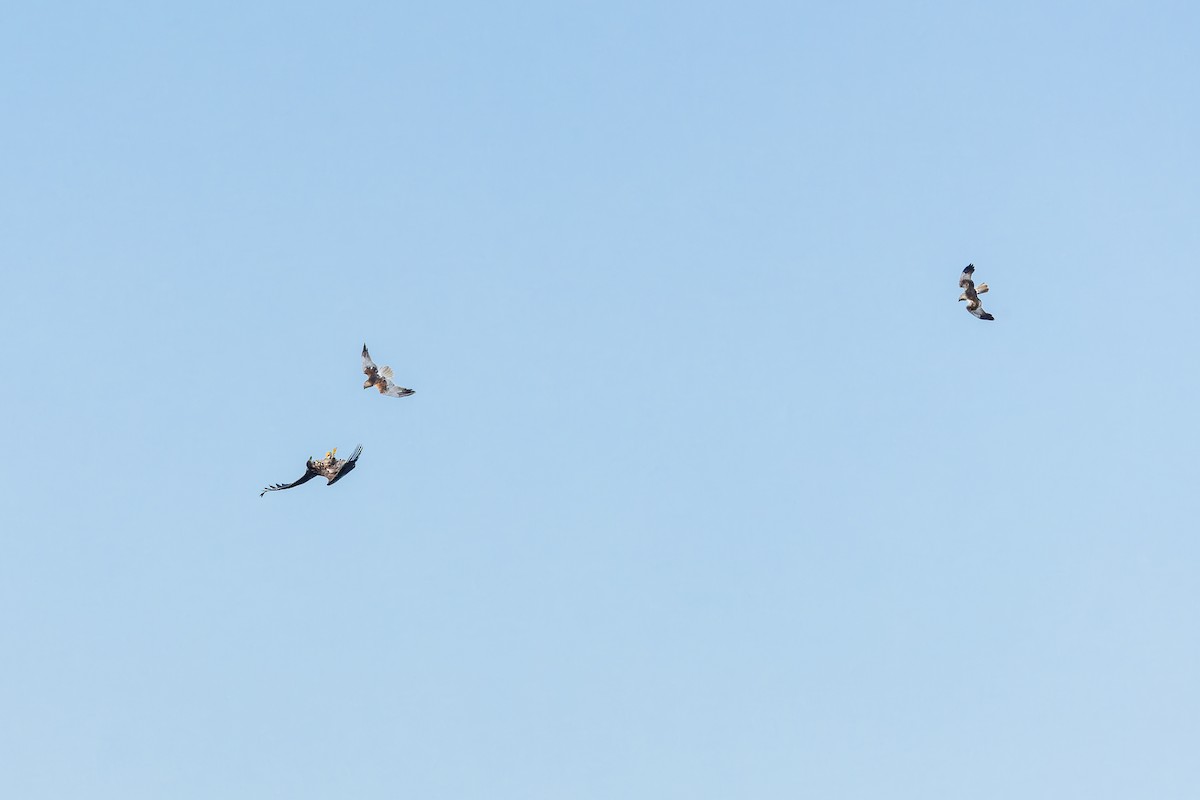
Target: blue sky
column 709, row 488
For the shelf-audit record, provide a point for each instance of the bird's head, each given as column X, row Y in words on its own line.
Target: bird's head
column 962, row 297
column 366, row 384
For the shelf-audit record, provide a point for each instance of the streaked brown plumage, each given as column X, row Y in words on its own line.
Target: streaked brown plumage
column 971, row 294
column 380, row 378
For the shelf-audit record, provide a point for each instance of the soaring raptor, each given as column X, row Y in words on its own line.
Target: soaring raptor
column 971, row 294
column 381, row 378
column 330, row 467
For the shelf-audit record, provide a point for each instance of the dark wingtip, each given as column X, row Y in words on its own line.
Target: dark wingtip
column 970, row 268
column 988, row 317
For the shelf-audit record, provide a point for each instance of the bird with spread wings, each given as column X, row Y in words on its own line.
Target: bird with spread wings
column 381, row 378
column 971, row 293
column 332, row 468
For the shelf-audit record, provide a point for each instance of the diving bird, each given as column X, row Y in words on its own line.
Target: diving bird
column 381, row 378
column 330, row 467
column 971, row 293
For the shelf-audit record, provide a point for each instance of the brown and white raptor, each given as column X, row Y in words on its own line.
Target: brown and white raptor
column 381, row 378
column 971, row 293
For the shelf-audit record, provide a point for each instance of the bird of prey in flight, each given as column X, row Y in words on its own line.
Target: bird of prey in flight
column 381, row 378
column 971, row 293
column 330, row 467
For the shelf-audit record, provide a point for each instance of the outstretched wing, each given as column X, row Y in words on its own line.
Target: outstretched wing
column 369, row 367
column 278, row 487
column 344, row 467
column 977, row 311
column 966, row 280
column 393, row 390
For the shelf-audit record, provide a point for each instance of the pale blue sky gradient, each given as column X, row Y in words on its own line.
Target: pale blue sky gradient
column 709, row 488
